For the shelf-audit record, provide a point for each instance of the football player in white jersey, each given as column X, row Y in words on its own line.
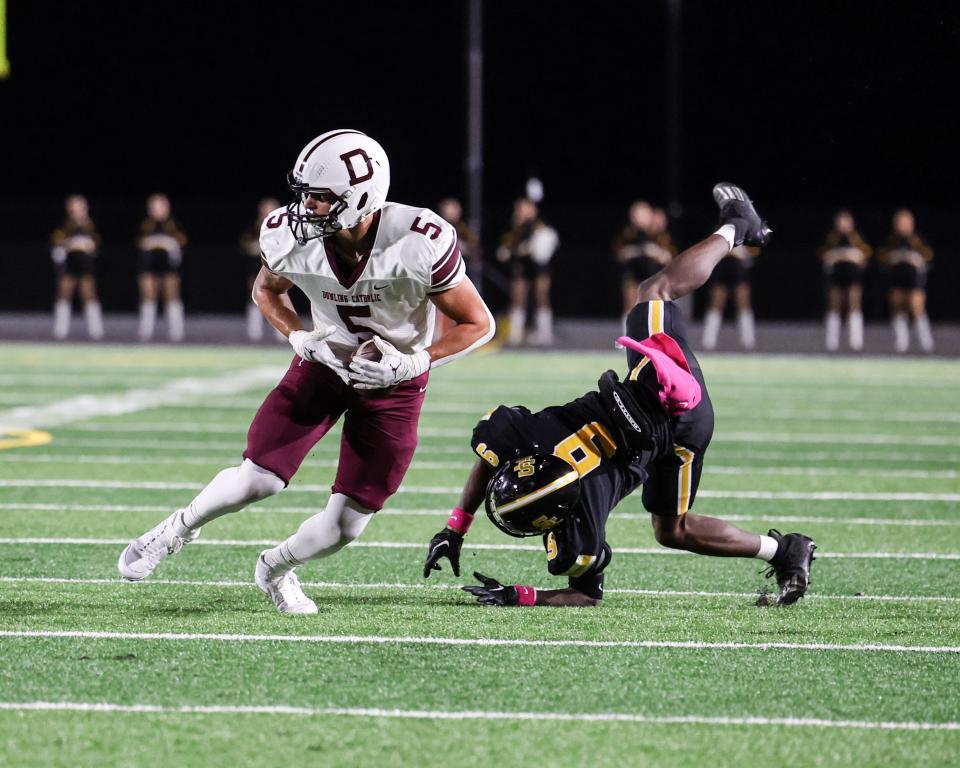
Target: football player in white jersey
column 373, row 271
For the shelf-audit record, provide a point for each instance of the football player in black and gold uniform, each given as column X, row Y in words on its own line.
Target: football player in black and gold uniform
column 651, row 429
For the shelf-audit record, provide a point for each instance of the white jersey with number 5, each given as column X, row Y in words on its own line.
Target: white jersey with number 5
column 415, row 254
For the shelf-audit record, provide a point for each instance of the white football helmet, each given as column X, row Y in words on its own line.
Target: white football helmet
column 346, row 165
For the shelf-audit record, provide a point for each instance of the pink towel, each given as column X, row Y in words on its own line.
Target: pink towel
column 679, row 390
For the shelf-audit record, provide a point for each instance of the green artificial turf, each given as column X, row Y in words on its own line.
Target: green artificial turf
column 862, row 455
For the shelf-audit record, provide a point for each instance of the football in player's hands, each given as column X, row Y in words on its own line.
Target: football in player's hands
column 369, row 351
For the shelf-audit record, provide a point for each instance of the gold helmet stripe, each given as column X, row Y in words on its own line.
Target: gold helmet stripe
column 523, row 501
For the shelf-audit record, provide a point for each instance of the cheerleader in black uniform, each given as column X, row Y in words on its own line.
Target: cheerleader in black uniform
column 906, row 259
column 74, row 251
column 844, row 255
column 161, row 244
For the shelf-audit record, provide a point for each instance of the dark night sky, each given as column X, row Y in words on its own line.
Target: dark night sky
column 808, row 104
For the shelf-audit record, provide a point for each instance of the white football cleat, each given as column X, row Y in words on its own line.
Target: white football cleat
column 283, row 589
column 143, row 554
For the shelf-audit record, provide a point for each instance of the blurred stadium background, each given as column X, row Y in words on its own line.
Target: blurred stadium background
column 811, row 109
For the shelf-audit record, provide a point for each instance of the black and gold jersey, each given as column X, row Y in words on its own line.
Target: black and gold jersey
column 579, row 433
column 844, row 246
column 901, row 247
column 75, row 237
column 163, row 235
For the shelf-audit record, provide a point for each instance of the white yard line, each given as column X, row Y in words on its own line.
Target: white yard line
column 462, row 434
column 746, row 456
column 178, row 391
column 454, row 490
column 62, row 458
column 89, row 541
column 115, row 582
column 830, row 416
column 836, row 438
column 426, row 714
column 441, row 512
column 476, row 641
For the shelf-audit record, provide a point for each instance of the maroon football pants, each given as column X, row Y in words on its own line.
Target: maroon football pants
column 379, row 430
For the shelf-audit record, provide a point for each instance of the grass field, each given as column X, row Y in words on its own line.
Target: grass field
column 677, row 667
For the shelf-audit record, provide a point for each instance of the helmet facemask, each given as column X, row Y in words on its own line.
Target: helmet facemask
column 304, row 223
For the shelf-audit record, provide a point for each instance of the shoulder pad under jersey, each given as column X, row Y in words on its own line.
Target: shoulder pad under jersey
column 276, row 239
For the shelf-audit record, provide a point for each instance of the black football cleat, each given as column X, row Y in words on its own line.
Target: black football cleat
column 737, row 209
column 791, row 565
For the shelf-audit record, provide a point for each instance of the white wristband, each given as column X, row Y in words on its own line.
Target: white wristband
column 729, row 233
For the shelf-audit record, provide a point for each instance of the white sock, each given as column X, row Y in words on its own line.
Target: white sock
column 148, row 320
column 924, row 334
column 768, row 548
column 901, row 333
column 230, row 491
column 748, row 339
column 327, row 532
column 833, row 331
column 175, row 320
column 61, row 319
column 729, row 233
column 254, row 322
column 711, row 328
column 855, row 329
column 517, row 321
column 545, row 325
column 94, row 320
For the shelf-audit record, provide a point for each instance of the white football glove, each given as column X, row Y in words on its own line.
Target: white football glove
column 310, row 345
column 393, row 368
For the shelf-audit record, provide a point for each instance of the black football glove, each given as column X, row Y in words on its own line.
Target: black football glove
column 492, row 592
column 446, row 544
column 737, row 209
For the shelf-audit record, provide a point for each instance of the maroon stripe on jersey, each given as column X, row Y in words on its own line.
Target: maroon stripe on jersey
column 442, row 284
column 446, row 254
column 443, row 273
column 324, row 139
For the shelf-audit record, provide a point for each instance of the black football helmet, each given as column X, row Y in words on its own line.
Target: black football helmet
column 531, row 495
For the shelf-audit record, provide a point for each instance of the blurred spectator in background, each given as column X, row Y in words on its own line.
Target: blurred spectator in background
column 731, row 274
column 161, row 254
column 74, row 250
column 660, row 233
column 906, row 258
column 528, row 248
column 640, row 250
column 844, row 255
column 250, row 247
column 451, row 210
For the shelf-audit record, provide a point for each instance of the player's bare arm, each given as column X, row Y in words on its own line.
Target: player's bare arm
column 473, row 321
column 739, row 224
column 491, row 592
column 448, row 542
column 270, row 295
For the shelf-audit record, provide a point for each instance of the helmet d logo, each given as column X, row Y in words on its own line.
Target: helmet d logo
column 348, row 160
